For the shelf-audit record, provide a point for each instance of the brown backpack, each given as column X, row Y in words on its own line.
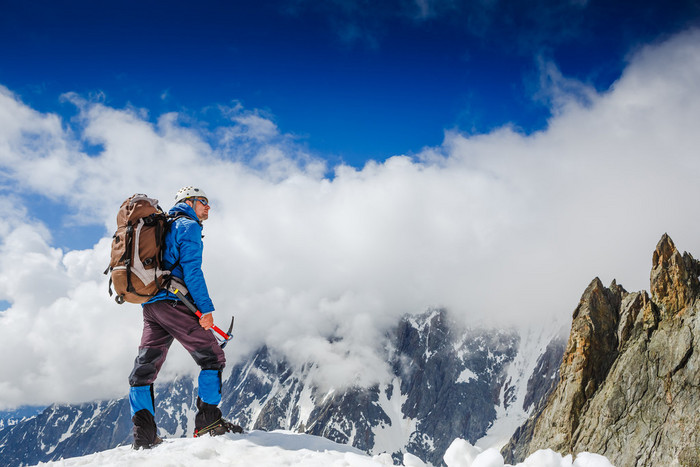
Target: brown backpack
column 136, row 265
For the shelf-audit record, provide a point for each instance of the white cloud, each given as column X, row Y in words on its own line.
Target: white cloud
column 499, row 227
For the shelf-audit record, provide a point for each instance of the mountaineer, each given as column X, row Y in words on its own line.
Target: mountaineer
column 166, row 317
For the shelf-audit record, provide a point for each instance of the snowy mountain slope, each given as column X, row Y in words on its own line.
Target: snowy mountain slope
column 75, row 430
column 66, row 431
column 448, row 382
column 12, row 417
column 261, row 449
column 529, row 379
column 285, row 449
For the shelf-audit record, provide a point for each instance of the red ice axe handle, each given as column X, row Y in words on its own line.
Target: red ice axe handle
column 225, row 335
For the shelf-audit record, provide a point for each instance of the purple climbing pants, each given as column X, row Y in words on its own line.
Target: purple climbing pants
column 163, row 321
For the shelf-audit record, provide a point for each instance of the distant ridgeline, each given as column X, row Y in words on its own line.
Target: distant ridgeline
column 12, row 417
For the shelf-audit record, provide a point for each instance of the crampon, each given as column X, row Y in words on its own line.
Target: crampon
column 217, row 428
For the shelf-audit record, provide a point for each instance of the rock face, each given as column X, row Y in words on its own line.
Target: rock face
column 629, row 384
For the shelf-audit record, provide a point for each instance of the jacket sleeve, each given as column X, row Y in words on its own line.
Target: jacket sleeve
column 191, row 247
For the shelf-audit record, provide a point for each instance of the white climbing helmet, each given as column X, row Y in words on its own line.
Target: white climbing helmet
column 189, row 192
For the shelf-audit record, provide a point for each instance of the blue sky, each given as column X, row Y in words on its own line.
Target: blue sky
column 362, row 162
column 353, row 80
column 350, row 81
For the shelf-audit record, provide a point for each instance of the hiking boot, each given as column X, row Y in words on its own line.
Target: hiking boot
column 145, row 431
column 155, row 443
column 217, row 428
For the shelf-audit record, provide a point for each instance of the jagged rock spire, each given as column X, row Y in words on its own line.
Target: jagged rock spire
column 674, row 278
column 590, row 351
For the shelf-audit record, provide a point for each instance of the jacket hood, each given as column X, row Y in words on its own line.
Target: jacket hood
column 186, row 209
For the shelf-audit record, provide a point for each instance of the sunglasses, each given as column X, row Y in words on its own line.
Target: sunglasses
column 203, row 201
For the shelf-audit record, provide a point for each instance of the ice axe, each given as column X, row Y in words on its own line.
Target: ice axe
column 226, row 336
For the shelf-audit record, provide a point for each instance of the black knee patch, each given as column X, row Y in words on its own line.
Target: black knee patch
column 145, row 367
column 206, row 359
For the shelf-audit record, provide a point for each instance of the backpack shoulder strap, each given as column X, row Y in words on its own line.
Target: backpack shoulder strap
column 173, row 217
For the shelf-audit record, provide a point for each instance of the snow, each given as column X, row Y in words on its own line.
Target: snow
column 466, row 376
column 65, row 435
column 258, row 448
column 462, row 454
column 394, row 436
column 286, row 449
column 69, row 432
column 409, row 460
column 305, row 403
column 533, row 343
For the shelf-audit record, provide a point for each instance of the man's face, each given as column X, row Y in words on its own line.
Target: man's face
column 200, row 209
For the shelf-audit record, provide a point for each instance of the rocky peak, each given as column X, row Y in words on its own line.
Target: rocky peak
column 590, row 352
column 592, row 345
column 674, row 278
column 629, row 386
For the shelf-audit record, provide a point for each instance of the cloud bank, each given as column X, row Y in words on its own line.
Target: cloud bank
column 500, row 228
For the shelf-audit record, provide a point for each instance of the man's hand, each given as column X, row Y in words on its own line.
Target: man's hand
column 207, row 321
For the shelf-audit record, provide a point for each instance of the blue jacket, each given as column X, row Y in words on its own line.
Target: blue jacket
column 183, row 248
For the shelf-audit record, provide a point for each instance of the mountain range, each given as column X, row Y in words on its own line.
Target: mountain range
column 447, row 382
